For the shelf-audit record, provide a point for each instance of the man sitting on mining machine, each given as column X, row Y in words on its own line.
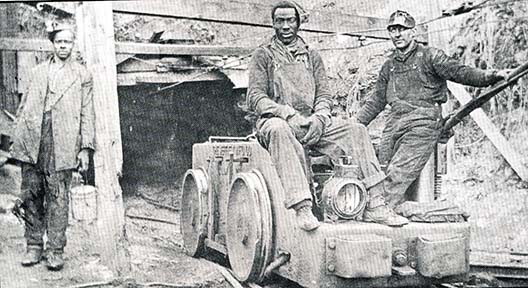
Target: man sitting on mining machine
column 288, row 90
column 413, row 82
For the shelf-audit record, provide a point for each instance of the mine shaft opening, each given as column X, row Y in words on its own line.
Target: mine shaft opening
column 159, row 129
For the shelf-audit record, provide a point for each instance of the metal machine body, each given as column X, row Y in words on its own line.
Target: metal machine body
column 233, row 203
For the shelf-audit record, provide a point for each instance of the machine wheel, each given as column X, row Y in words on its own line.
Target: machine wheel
column 249, row 226
column 194, row 214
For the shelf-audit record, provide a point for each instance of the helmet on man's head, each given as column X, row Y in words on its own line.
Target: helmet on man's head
column 401, row 18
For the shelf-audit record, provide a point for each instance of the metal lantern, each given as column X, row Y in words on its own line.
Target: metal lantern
column 344, row 195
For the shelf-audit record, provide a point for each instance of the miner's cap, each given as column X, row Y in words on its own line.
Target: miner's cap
column 54, row 27
column 401, row 18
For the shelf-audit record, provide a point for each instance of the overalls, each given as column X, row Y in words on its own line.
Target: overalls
column 413, row 124
column 294, row 85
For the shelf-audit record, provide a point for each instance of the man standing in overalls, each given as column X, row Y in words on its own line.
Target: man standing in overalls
column 54, row 135
column 288, row 90
column 413, row 82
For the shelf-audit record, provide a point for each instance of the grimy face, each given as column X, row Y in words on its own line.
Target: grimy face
column 285, row 25
column 401, row 36
column 63, row 44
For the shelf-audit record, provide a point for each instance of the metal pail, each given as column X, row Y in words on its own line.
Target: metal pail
column 84, row 203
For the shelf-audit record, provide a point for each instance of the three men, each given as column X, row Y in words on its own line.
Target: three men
column 413, row 82
column 54, row 135
column 288, row 89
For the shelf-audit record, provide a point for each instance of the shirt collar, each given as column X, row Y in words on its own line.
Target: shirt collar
column 299, row 47
column 400, row 56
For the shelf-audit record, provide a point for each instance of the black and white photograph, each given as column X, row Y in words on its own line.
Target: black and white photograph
column 264, row 144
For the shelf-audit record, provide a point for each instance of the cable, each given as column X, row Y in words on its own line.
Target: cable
column 430, row 31
column 359, row 32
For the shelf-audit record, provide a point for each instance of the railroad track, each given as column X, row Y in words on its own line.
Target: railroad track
column 481, row 275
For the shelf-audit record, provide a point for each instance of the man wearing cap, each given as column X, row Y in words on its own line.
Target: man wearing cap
column 413, row 82
column 288, row 90
column 54, row 135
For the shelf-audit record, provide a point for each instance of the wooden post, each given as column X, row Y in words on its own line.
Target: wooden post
column 501, row 143
column 96, row 41
column 9, row 100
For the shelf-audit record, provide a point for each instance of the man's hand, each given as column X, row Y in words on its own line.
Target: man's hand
column 296, row 121
column 315, row 131
column 504, row 74
column 83, row 160
column 498, row 75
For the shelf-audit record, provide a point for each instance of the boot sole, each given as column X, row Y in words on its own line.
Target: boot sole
column 29, row 264
column 54, row 268
column 386, row 224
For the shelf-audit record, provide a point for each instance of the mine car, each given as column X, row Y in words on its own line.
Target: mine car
column 233, row 203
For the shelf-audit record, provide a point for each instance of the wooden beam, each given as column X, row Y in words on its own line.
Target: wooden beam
column 8, row 59
column 135, row 78
column 251, row 13
column 19, row 44
column 96, row 34
column 26, row 61
column 500, row 142
column 175, row 49
column 23, row 44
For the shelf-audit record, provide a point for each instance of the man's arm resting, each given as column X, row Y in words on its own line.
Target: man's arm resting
column 258, row 99
column 450, row 69
column 323, row 97
column 377, row 102
column 87, row 113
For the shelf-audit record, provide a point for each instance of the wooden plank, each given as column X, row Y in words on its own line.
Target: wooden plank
column 96, row 34
column 500, row 142
column 26, row 61
column 24, row 44
column 253, row 13
column 176, row 49
column 19, row 44
column 130, row 79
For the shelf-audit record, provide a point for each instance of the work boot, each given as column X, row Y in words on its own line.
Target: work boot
column 54, row 261
column 307, row 221
column 33, row 256
column 382, row 214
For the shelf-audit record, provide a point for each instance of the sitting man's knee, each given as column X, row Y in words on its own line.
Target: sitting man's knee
column 275, row 125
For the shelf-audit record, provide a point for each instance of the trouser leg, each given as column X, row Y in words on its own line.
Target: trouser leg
column 352, row 139
column 33, row 203
column 411, row 152
column 57, row 198
column 288, row 156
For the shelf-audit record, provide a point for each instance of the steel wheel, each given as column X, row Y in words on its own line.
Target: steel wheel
column 194, row 211
column 249, row 226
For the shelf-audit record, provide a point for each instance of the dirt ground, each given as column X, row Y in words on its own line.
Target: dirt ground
column 155, row 248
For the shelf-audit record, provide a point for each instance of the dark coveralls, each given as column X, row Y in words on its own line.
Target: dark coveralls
column 414, row 85
column 284, row 81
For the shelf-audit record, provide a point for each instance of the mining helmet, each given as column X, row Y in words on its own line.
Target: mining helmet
column 401, row 18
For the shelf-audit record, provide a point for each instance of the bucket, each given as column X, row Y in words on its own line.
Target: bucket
column 84, row 203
